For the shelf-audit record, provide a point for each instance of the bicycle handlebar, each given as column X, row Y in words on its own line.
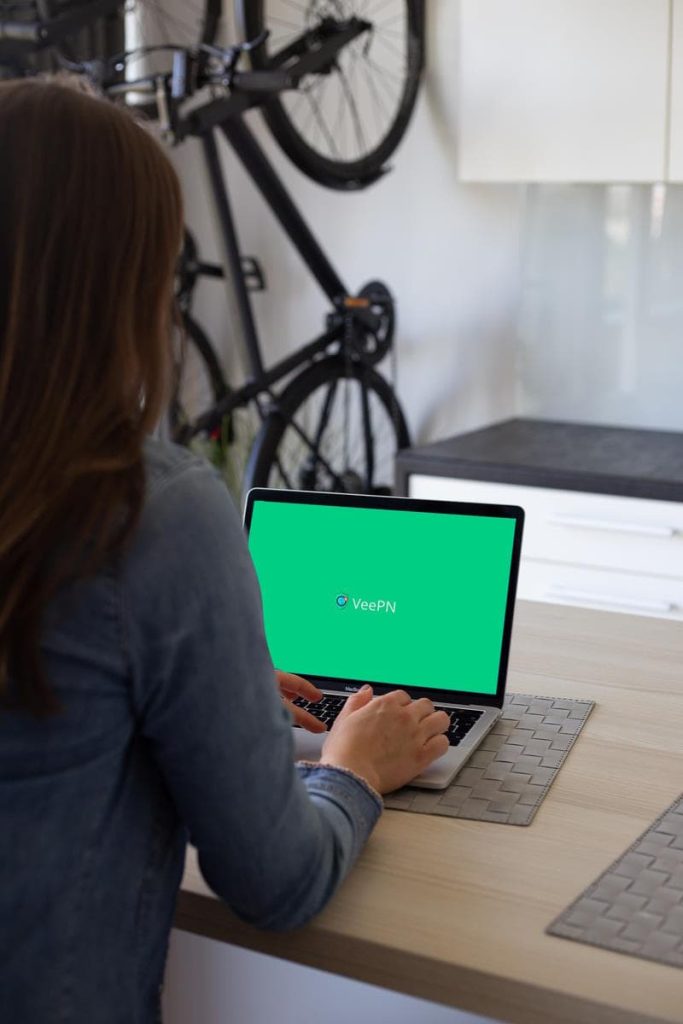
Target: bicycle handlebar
column 315, row 52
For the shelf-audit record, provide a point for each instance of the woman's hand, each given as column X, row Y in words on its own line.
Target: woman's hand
column 292, row 686
column 388, row 740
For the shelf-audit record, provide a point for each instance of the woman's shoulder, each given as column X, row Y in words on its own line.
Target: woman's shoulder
column 188, row 544
column 186, row 503
column 168, row 464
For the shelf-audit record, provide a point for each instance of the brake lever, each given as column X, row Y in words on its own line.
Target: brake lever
column 229, row 59
column 254, row 44
column 232, row 54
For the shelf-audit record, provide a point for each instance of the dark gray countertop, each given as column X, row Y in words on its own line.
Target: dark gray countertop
column 567, row 456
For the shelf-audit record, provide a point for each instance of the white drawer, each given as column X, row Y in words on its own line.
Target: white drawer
column 629, row 534
column 599, row 588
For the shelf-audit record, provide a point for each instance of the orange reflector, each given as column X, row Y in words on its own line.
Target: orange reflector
column 352, row 302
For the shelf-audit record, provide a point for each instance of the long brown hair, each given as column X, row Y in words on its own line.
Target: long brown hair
column 90, row 225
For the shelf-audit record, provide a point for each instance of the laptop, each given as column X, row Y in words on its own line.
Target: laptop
column 395, row 592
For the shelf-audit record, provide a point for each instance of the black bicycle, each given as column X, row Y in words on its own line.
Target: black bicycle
column 337, row 81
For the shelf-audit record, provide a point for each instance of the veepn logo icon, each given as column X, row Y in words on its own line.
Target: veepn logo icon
column 342, row 600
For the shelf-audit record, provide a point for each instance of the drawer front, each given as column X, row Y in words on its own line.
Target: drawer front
column 628, row 534
column 599, row 588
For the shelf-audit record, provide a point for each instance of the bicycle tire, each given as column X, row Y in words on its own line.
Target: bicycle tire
column 328, row 169
column 228, row 446
column 277, row 440
column 199, row 381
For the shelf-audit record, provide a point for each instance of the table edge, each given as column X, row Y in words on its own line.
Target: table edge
column 409, row 973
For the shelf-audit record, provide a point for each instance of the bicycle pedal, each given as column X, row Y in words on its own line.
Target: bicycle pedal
column 252, row 272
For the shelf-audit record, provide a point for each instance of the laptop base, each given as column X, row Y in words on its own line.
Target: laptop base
column 440, row 773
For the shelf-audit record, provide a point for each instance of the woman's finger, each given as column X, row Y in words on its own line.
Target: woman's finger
column 360, row 699
column 435, row 747
column 422, row 708
column 435, row 724
column 296, row 686
column 397, row 697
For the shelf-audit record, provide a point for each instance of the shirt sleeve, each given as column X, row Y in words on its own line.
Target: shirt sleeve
column 274, row 840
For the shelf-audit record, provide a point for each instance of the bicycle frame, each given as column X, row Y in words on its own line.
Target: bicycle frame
column 281, row 204
column 224, row 114
column 259, row 168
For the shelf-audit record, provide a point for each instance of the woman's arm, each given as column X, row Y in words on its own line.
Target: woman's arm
column 273, row 840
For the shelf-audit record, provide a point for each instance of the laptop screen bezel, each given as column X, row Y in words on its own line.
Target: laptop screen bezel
column 411, row 505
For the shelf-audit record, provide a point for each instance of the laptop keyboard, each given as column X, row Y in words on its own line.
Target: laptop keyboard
column 327, row 709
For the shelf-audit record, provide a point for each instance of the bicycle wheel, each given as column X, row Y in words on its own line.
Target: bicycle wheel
column 199, row 384
column 341, row 126
column 336, row 428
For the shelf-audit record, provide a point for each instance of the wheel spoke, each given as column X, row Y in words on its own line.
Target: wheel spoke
column 360, row 137
column 380, row 104
column 383, row 72
column 381, row 38
column 285, row 477
column 283, row 21
column 297, row 6
column 323, row 127
column 372, row 12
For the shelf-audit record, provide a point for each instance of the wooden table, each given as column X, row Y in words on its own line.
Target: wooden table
column 454, row 911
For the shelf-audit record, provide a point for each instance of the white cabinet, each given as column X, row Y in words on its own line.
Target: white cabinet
column 594, row 550
column 565, row 90
column 675, row 168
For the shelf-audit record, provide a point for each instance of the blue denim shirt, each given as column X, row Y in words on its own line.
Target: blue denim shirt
column 172, row 729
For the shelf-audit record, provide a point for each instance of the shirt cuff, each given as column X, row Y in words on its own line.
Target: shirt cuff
column 315, row 766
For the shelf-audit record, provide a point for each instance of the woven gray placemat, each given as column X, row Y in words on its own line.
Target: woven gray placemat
column 508, row 775
column 636, row 905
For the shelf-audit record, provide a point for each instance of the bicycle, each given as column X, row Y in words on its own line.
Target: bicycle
column 335, row 422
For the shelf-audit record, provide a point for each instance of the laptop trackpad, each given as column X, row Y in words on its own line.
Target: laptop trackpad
column 308, row 745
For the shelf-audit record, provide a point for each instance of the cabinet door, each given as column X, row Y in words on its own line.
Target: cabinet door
column 563, row 90
column 676, row 136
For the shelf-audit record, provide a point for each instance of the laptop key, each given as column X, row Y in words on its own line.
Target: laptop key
column 461, row 723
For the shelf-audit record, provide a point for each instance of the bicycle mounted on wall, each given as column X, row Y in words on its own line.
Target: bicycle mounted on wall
column 317, row 70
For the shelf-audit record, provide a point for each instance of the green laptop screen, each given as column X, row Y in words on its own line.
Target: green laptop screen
column 399, row 597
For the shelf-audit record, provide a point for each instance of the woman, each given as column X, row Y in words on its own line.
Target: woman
column 138, row 705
